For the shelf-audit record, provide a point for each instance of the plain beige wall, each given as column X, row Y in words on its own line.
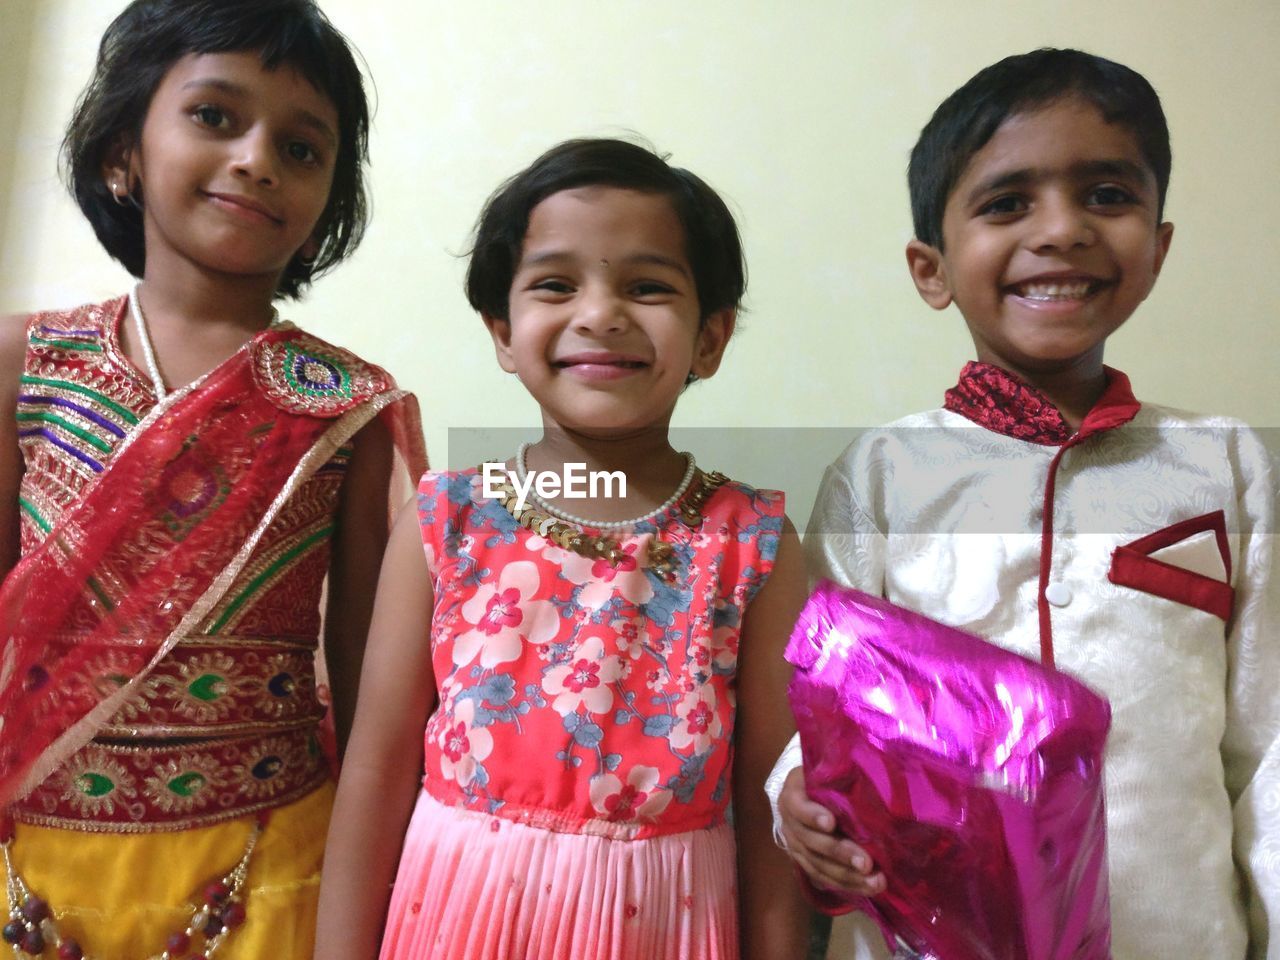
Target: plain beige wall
column 17, row 18
column 801, row 114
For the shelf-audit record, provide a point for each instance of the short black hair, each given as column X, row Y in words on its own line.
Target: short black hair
column 137, row 51
column 712, row 244
column 967, row 119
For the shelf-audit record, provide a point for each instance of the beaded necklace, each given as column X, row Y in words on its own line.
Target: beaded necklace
column 31, row 927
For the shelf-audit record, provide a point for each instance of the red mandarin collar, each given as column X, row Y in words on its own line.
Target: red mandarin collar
column 997, row 400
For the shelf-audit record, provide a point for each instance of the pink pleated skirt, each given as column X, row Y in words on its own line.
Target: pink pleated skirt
column 476, row 887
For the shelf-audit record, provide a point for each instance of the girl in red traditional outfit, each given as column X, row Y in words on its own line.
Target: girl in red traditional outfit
column 179, row 473
column 594, row 689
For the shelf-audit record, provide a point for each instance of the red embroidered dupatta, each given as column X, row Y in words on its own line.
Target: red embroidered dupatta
column 161, row 534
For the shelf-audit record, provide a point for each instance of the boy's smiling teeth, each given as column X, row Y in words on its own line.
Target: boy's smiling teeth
column 1055, row 289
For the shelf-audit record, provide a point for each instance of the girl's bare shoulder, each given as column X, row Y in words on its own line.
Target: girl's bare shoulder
column 13, row 348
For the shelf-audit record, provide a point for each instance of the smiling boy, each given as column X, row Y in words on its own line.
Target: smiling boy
column 1049, row 511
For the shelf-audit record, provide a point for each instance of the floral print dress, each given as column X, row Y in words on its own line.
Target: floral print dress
column 578, row 765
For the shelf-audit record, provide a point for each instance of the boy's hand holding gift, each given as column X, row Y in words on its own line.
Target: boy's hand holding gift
column 830, row 860
column 971, row 776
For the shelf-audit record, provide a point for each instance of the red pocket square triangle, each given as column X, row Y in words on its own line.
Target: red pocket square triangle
column 1132, row 565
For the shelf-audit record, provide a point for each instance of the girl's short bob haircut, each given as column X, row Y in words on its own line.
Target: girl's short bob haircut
column 711, row 236
column 137, row 51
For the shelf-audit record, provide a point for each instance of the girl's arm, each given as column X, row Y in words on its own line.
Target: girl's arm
column 380, row 777
column 359, row 539
column 774, row 919
column 13, row 348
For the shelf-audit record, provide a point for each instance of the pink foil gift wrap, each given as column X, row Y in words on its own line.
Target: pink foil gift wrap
column 972, row 776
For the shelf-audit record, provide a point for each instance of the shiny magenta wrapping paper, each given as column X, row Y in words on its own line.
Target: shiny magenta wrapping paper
column 972, row 776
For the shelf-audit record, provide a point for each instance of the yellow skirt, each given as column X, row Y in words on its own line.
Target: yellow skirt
column 122, row 895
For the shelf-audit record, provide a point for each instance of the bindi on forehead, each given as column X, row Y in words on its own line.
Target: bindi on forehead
column 542, row 258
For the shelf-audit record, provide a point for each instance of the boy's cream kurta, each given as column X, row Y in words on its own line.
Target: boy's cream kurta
column 944, row 517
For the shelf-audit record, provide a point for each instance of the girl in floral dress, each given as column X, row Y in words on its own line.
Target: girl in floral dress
column 596, row 686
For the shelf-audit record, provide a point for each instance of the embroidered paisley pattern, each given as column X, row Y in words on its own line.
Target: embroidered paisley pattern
column 248, row 667
column 137, row 789
column 302, row 374
column 95, row 783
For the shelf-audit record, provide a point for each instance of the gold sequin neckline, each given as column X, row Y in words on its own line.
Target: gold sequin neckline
column 570, row 535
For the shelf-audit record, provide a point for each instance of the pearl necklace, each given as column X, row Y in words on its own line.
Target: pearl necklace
column 522, row 474
column 149, row 352
column 660, row 556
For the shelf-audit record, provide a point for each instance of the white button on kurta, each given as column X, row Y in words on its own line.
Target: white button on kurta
column 1059, row 594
